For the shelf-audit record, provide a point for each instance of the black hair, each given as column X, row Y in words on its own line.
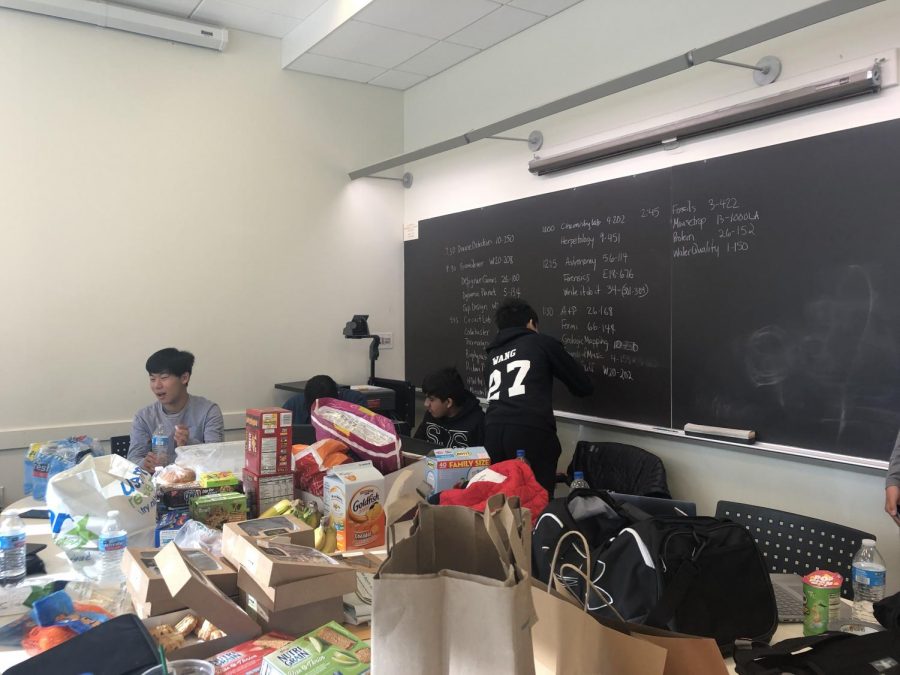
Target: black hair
column 170, row 360
column 514, row 313
column 445, row 383
column 318, row 386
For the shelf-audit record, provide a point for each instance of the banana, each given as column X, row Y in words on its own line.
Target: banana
column 282, row 507
column 320, row 538
column 330, row 541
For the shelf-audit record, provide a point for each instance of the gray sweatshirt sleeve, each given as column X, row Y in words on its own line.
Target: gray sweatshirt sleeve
column 140, row 439
column 893, row 474
column 214, row 427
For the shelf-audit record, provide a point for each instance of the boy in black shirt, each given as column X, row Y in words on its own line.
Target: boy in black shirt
column 520, row 369
column 453, row 417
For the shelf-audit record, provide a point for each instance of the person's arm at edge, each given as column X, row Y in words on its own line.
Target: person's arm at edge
column 567, row 369
column 213, row 427
column 892, row 484
column 139, row 443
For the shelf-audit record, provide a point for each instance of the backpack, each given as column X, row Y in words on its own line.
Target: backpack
column 831, row 653
column 697, row 575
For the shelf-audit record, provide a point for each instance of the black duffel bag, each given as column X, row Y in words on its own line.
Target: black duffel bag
column 830, row 653
column 696, row 575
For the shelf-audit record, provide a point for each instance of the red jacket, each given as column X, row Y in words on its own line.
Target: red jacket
column 512, row 478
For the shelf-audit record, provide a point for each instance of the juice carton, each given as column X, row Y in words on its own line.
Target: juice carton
column 354, row 498
column 445, row 469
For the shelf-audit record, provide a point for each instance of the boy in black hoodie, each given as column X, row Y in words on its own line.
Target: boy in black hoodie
column 520, row 368
column 453, row 417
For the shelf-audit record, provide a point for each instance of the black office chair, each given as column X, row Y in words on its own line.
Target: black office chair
column 797, row 544
column 620, row 468
column 404, row 402
column 118, row 445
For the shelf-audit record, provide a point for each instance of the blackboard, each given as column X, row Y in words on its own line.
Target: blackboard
column 759, row 290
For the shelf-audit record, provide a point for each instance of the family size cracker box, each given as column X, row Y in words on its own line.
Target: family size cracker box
column 354, row 497
column 445, row 469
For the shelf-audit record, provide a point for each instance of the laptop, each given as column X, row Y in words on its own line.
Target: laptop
column 788, row 596
column 658, row 506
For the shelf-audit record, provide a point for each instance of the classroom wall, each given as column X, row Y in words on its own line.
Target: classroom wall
column 569, row 53
column 159, row 194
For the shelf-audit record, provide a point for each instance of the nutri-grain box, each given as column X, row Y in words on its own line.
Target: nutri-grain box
column 268, row 448
column 354, row 498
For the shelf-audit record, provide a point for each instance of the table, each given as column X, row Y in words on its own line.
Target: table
column 377, row 398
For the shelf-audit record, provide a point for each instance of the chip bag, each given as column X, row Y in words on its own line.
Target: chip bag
column 368, row 435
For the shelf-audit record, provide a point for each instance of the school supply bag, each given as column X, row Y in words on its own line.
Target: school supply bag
column 696, row 575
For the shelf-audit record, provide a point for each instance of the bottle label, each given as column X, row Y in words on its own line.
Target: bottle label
column 112, row 543
column 868, row 577
column 12, row 541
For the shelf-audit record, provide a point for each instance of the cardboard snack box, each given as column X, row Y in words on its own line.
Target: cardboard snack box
column 246, row 658
column 179, row 496
column 268, row 445
column 445, row 469
column 236, row 537
column 217, row 509
column 328, row 649
column 354, row 497
column 196, row 592
column 297, row 620
column 300, row 592
column 272, row 562
column 264, row 492
column 148, row 589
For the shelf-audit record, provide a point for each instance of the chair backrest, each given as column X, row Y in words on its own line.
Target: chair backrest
column 118, row 445
column 798, row 544
column 620, row 468
column 404, row 400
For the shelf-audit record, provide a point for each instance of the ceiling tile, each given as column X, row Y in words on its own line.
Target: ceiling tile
column 298, row 9
column 495, row 27
column 346, row 70
column 437, row 58
column 180, row 8
column 366, row 43
column 545, row 7
column 432, row 18
column 241, row 17
column 397, row 80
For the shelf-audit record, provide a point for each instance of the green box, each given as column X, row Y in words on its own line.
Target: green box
column 217, row 509
column 328, row 649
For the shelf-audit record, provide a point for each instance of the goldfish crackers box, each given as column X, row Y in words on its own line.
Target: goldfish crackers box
column 354, row 498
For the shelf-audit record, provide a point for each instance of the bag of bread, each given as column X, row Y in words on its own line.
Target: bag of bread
column 368, row 435
column 79, row 499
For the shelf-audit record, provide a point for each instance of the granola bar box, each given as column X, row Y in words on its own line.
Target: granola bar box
column 328, row 649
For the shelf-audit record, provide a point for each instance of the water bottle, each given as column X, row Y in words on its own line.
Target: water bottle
column 868, row 580
column 41, row 470
column 111, row 546
column 12, row 549
column 579, row 481
column 520, row 456
column 160, row 445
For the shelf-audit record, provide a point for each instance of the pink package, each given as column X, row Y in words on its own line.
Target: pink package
column 368, row 435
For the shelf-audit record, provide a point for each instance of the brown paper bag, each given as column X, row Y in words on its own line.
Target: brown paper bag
column 454, row 597
column 569, row 640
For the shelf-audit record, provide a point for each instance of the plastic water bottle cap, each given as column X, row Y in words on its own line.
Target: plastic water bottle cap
column 520, row 453
column 579, row 475
column 868, row 542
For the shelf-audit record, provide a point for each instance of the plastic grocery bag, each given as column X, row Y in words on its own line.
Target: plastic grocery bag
column 79, row 498
column 367, row 434
column 211, row 457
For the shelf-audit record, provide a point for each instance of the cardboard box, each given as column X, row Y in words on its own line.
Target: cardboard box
column 180, row 497
column 301, row 592
column 327, row 649
column 444, row 469
column 296, row 620
column 148, row 590
column 268, row 446
column 237, row 538
column 169, row 521
column 354, row 498
column 272, row 562
column 218, row 509
column 218, row 479
column 188, row 586
column 246, row 658
column 264, row 492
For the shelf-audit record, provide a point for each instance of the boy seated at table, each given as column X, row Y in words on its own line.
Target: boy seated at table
column 453, row 416
column 319, row 386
